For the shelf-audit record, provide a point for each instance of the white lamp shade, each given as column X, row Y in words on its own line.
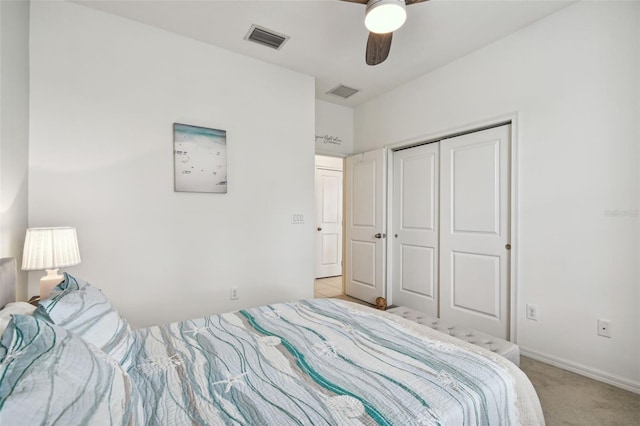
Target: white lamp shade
column 385, row 16
column 50, row 248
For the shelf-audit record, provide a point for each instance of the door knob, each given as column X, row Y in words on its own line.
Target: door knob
column 319, row 229
column 508, row 246
column 378, row 235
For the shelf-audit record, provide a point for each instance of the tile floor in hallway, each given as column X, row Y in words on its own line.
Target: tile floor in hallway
column 332, row 288
column 328, row 287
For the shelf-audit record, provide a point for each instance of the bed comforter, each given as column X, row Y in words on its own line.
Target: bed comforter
column 323, row 361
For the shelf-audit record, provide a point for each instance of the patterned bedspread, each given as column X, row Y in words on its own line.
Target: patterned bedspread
column 320, row 362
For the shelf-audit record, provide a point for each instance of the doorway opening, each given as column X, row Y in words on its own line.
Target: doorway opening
column 328, row 221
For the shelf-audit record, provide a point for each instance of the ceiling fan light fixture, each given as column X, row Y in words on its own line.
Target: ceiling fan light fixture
column 385, row 16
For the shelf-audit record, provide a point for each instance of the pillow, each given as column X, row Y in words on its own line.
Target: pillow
column 84, row 310
column 21, row 308
column 50, row 376
column 69, row 283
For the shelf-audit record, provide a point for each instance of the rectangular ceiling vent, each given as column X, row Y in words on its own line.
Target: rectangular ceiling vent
column 266, row 37
column 343, row 91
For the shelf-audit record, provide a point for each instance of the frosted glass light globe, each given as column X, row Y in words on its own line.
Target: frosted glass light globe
column 385, row 16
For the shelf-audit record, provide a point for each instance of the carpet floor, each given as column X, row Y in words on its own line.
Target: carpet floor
column 570, row 399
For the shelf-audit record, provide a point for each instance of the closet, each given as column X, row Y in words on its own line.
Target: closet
column 449, row 217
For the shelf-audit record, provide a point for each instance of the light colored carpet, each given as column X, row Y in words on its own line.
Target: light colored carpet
column 570, row 399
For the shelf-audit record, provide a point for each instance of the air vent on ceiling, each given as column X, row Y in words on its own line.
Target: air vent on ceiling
column 266, row 37
column 343, row 91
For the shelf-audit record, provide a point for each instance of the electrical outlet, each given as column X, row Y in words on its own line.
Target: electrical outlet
column 604, row 328
column 532, row 312
column 233, row 293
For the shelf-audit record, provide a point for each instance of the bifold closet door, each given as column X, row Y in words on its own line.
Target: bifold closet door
column 474, row 230
column 365, row 225
column 415, row 228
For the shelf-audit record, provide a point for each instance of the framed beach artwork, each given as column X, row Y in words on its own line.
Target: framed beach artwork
column 200, row 159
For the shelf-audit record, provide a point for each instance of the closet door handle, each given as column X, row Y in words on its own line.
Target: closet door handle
column 379, row 235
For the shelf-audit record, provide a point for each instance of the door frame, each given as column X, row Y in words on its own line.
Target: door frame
column 331, row 167
column 341, row 157
column 513, row 120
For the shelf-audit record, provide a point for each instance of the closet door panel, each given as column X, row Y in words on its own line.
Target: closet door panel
column 415, row 228
column 474, row 230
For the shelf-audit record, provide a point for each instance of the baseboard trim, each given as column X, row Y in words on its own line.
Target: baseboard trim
column 583, row 370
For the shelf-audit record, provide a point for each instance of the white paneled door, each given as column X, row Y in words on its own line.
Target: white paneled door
column 329, row 223
column 474, row 230
column 415, row 228
column 365, row 225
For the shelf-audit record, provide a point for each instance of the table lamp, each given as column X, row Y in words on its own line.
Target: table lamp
column 47, row 249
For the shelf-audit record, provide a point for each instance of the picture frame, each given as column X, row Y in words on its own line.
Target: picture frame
column 200, row 159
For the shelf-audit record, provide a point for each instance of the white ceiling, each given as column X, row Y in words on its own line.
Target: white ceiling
column 328, row 37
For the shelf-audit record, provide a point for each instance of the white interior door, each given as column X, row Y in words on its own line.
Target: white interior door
column 415, row 228
column 365, row 221
column 474, row 230
column 329, row 223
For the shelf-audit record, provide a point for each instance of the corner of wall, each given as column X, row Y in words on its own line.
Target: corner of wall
column 14, row 131
column 334, row 129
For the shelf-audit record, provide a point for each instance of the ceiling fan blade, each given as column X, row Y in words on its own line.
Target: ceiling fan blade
column 378, row 47
column 359, row 1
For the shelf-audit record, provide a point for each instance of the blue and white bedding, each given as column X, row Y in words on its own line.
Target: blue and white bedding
column 49, row 376
column 313, row 362
column 82, row 309
column 319, row 362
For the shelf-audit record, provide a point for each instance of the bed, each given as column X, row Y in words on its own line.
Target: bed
column 75, row 360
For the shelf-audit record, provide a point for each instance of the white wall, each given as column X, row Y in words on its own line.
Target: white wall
column 14, row 131
column 572, row 78
column 104, row 94
column 334, row 129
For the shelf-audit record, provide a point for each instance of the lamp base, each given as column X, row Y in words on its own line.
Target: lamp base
column 48, row 282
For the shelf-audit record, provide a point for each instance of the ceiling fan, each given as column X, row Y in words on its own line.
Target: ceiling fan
column 382, row 18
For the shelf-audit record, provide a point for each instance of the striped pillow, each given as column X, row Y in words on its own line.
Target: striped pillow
column 84, row 310
column 48, row 375
column 69, row 283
